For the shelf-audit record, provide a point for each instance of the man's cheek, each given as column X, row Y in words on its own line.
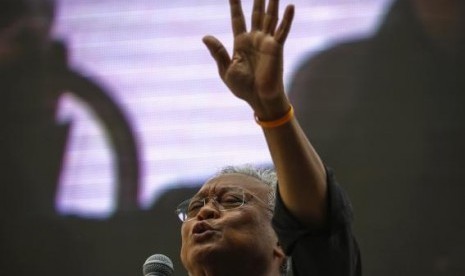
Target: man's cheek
column 241, row 225
column 184, row 232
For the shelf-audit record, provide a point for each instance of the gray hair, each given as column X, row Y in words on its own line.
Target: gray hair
column 266, row 175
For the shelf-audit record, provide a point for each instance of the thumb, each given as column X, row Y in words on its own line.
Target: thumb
column 219, row 54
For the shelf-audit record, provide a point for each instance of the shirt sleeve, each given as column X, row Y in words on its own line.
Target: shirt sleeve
column 329, row 251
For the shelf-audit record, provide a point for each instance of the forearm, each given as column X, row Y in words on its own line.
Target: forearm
column 301, row 174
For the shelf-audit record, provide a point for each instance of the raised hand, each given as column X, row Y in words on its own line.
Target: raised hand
column 254, row 72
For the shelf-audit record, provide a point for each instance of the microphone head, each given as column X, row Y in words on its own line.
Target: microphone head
column 158, row 265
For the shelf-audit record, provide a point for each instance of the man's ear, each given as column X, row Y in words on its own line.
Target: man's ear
column 278, row 251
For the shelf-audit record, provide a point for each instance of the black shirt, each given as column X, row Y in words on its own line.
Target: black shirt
column 323, row 252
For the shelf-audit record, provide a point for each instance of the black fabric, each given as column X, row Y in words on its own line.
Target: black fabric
column 324, row 252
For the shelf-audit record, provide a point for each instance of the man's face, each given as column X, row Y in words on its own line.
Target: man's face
column 216, row 237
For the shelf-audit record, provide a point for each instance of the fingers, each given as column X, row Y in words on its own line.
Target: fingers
column 262, row 21
column 285, row 26
column 219, row 54
column 271, row 17
column 258, row 14
column 237, row 17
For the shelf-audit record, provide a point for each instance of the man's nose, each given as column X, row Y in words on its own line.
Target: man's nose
column 209, row 210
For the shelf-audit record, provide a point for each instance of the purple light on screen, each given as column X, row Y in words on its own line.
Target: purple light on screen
column 150, row 56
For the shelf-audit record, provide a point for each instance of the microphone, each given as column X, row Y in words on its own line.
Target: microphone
column 158, row 265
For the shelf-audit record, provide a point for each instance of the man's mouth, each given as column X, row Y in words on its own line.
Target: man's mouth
column 202, row 231
column 201, row 227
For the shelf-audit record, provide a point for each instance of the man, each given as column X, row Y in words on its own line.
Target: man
column 227, row 226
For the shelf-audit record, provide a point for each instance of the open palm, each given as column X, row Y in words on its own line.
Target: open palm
column 254, row 72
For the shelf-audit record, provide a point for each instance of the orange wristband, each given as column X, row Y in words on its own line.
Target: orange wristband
column 278, row 122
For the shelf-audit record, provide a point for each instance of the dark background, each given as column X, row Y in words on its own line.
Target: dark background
column 384, row 109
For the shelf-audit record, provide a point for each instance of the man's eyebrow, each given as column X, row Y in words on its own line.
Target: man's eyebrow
column 197, row 196
column 200, row 195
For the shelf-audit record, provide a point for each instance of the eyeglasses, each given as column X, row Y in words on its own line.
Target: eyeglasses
column 226, row 200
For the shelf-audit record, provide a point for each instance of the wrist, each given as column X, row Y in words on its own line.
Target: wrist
column 284, row 119
column 271, row 109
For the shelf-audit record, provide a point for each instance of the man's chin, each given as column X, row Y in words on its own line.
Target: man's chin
column 206, row 250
